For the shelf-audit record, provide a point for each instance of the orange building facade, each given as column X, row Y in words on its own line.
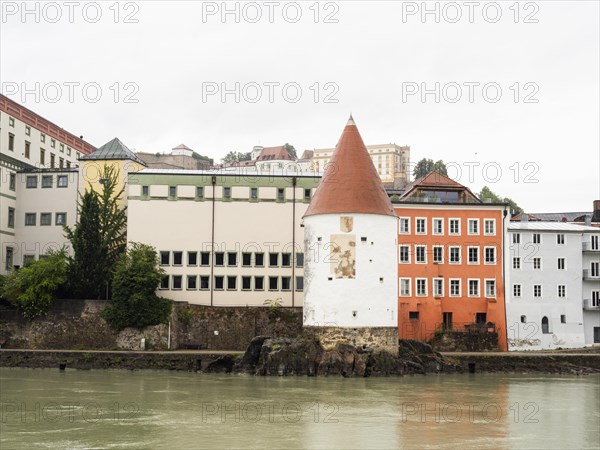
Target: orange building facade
column 450, row 268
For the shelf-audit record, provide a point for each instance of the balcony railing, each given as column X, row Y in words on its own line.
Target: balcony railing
column 590, row 304
column 587, row 247
column 587, row 275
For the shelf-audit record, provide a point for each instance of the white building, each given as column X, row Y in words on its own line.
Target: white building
column 350, row 243
column 553, row 285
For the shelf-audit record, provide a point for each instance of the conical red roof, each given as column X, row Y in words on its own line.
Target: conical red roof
column 350, row 183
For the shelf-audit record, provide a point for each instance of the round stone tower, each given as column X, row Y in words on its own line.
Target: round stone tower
column 351, row 265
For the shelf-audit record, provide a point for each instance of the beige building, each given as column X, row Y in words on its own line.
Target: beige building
column 390, row 160
column 224, row 237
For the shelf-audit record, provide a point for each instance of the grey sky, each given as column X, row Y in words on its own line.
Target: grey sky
column 366, row 56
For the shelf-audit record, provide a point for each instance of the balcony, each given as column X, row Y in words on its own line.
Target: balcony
column 590, row 305
column 588, row 276
column 588, row 247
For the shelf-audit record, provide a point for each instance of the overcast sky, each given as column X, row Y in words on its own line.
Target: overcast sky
column 155, row 78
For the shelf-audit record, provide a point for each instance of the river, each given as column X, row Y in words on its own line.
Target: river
column 152, row 410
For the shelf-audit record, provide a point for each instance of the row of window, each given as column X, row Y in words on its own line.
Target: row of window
column 536, row 238
column 454, row 256
column 421, row 287
column 11, row 123
column 230, row 259
column 253, row 193
column 31, row 181
column 454, row 226
column 60, row 218
column 561, row 290
column 27, row 153
column 231, row 283
column 561, row 263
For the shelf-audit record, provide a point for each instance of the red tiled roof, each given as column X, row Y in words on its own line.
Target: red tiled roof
column 272, row 153
column 350, row 183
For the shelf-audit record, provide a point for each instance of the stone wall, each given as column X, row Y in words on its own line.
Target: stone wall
column 375, row 338
column 460, row 341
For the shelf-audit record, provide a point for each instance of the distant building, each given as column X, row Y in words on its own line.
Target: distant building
column 585, row 217
column 181, row 157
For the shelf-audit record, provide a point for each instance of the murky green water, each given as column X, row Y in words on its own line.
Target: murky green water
column 153, row 410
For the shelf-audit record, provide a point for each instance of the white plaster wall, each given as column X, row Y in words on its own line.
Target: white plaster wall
column 331, row 302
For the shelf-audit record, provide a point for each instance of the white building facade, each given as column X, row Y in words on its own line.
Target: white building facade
column 549, row 300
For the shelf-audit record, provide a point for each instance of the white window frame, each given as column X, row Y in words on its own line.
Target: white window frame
column 408, row 280
column 437, row 282
column 441, row 260
column 541, row 291
column 450, row 233
column 516, row 238
column 424, row 247
column 450, row 248
column 469, row 248
column 417, row 287
column 487, row 282
column 459, row 287
column 536, row 260
column 560, row 239
column 564, row 288
column 424, row 220
column 469, row 222
column 400, row 252
column 516, row 258
column 485, row 249
column 478, row 288
column 486, row 222
column 517, row 287
column 539, row 235
column 440, row 221
column 406, row 220
column 564, row 260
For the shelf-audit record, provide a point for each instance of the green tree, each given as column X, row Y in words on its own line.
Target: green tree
column 291, row 150
column 233, row 157
column 487, row 194
column 425, row 166
column 33, row 289
column 134, row 300
column 98, row 239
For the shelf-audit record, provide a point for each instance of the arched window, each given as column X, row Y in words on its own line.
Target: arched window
column 545, row 327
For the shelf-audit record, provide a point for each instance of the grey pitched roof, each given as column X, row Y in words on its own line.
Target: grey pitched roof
column 114, row 149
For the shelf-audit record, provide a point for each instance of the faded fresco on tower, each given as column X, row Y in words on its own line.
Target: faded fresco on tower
column 346, row 224
column 343, row 255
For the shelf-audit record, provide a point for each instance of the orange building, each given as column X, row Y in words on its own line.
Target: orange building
column 450, row 253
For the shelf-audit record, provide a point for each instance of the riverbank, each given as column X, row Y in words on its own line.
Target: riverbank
column 272, row 357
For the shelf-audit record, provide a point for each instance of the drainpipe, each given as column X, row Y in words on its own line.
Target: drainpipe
column 504, row 227
column 212, row 243
column 294, row 182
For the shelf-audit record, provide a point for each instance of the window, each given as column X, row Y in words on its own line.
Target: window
column 405, row 287
column 52, row 158
column 205, row 258
column 164, row 282
column 438, row 226
column 473, row 226
column 273, row 259
column 595, row 240
column 523, row 319
column 204, row 282
column 232, row 258
column 253, row 193
column 68, row 151
column 46, row 181
column 490, row 255
column 11, row 122
column 489, row 227
column 27, row 149
column 177, row 258
column 286, row 283
column 299, row 259
column 42, row 137
column 145, row 191
column 537, row 290
column 259, row 260
column 30, row 219
column 454, row 227
column 68, row 164
column 516, row 239
column 560, row 239
column 438, row 287
column 176, row 282
column 562, row 291
column 299, row 284
column 62, row 148
column 192, row 282
column 516, row 290
column 421, row 225
column 405, row 254
column 454, row 255
column 473, row 288
column 438, row 254
column 280, row 194
column 11, row 217
column 537, row 263
column 413, row 315
column 9, row 258
column 200, row 191
column 231, row 283
column 490, row 288
column 31, row 182
column 517, row 262
column 246, row 283
column 12, row 182
column 62, row 181
column 421, row 286
column 420, row 251
column 537, row 238
column 219, row 259
column 563, row 318
column 11, row 143
column 259, row 283
column 61, row 162
column 226, row 192
column 45, row 219
column 480, row 318
column 455, row 288
column 286, row 260
column 306, row 194
column 473, row 255
column 42, row 156
column 27, row 130
column 246, row 259
column 219, row 282
column 165, row 258
column 192, row 259
column 52, row 143
column 595, row 298
column 28, row 259
column 404, row 225
column 561, row 263
column 172, row 191
column 273, row 283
